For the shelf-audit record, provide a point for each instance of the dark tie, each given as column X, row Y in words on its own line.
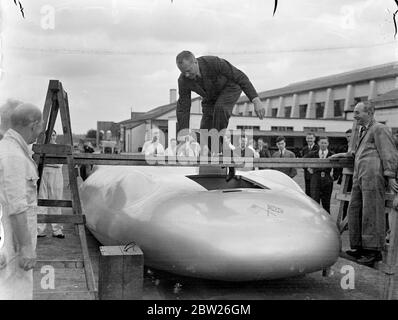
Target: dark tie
column 362, row 132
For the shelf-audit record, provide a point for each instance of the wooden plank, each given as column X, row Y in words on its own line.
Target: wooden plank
column 138, row 160
column 347, row 196
column 54, row 149
column 120, row 273
column 54, row 203
column 392, row 256
column 77, row 209
column 61, row 264
column 61, row 218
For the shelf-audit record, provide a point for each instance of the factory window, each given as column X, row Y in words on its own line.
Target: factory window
column 319, row 109
column 276, row 128
column 314, row 129
column 248, row 127
column 339, row 107
column 274, row 112
column 288, row 111
column 303, row 110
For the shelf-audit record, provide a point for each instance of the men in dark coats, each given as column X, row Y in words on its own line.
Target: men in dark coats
column 284, row 153
column 311, row 146
column 375, row 167
column 262, row 149
column 321, row 179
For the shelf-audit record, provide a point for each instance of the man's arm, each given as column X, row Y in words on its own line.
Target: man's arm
column 19, row 224
column 385, row 146
column 183, row 105
column 16, row 193
column 234, row 74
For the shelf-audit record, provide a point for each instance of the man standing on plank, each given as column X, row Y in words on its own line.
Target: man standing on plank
column 219, row 83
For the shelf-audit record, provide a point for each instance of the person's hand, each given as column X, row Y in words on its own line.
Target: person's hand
column 27, row 258
column 310, row 170
column 393, row 184
column 259, row 108
column 339, row 155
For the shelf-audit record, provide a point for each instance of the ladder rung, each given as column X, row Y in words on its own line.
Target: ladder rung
column 55, row 149
column 343, row 196
column 61, row 218
column 65, row 264
column 54, row 203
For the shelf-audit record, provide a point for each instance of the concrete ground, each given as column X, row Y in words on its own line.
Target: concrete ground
column 366, row 283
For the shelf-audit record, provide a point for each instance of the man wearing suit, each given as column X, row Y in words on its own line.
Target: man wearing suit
column 375, row 167
column 219, row 83
column 263, row 150
column 311, row 146
column 321, row 180
column 284, row 153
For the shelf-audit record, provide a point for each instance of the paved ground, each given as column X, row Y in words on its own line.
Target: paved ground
column 70, row 283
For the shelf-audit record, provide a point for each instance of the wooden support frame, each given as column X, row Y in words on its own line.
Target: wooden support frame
column 57, row 101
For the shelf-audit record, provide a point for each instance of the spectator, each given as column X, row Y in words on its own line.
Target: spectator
column 51, row 187
column 171, row 151
column 311, row 146
column 284, row 153
column 321, row 180
column 262, row 149
column 154, row 148
column 375, row 166
column 18, row 197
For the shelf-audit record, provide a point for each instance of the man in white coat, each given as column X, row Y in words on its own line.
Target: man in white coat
column 18, row 199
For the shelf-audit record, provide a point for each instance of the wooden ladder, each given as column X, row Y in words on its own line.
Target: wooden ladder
column 57, row 100
column 389, row 264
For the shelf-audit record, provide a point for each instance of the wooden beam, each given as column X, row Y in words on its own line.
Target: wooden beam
column 139, row 160
column 64, row 264
column 52, row 149
column 54, row 203
column 61, row 218
column 121, row 273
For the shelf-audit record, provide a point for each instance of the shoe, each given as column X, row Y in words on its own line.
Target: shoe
column 42, row 235
column 231, row 174
column 59, row 236
column 370, row 258
column 357, row 253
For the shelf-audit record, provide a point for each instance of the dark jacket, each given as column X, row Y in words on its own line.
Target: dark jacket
column 304, row 153
column 216, row 74
column 318, row 171
column 291, row 172
column 264, row 153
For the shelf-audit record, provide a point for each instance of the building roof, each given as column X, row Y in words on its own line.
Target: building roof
column 140, row 117
column 358, row 75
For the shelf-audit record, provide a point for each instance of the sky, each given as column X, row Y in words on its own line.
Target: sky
column 114, row 56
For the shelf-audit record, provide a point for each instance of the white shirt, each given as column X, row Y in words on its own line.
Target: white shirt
column 155, row 148
column 170, row 152
column 18, row 194
column 324, row 155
